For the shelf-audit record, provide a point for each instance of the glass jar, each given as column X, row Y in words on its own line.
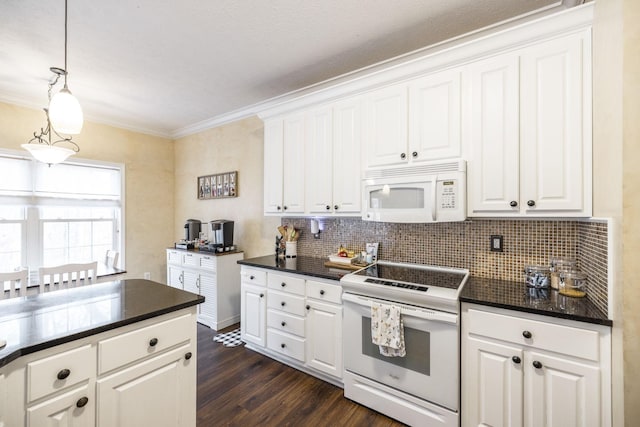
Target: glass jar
column 573, row 284
column 536, row 276
column 559, row 264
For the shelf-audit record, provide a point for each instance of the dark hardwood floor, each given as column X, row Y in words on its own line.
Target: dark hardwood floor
column 239, row 387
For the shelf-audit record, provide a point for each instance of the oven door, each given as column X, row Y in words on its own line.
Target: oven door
column 430, row 368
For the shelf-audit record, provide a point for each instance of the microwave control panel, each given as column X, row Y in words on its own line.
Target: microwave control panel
column 447, row 194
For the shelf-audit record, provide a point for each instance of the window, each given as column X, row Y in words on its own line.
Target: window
column 65, row 213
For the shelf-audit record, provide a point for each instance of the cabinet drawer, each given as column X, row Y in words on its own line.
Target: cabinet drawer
column 285, row 322
column 286, row 344
column 284, row 283
column 324, row 291
column 190, row 260
column 59, row 371
column 572, row 341
column 174, row 257
column 285, row 302
column 207, row 262
column 131, row 346
column 251, row 275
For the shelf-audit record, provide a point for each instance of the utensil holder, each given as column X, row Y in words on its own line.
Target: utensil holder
column 291, row 249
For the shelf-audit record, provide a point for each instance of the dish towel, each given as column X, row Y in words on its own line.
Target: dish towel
column 387, row 329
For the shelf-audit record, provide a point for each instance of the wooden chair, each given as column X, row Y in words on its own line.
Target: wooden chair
column 68, row 276
column 111, row 259
column 18, row 281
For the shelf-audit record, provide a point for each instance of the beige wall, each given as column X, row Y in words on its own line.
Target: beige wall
column 631, row 212
column 149, row 193
column 234, row 147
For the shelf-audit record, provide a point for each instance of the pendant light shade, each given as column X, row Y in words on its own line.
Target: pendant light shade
column 65, row 113
column 49, row 154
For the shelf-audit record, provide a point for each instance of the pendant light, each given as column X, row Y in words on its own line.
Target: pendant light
column 65, row 112
column 64, row 115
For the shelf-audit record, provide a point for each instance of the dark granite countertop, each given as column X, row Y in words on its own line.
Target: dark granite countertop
column 516, row 296
column 36, row 322
column 309, row 266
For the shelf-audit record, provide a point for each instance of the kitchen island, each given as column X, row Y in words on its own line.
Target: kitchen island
column 105, row 354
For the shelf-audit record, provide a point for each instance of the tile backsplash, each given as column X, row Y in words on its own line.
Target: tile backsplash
column 467, row 245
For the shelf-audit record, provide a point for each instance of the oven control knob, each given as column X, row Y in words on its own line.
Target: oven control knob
column 516, row 359
column 526, row 334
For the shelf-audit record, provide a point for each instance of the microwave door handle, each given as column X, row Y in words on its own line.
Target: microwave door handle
column 434, row 199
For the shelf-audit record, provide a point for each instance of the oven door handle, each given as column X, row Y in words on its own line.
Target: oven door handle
column 420, row 313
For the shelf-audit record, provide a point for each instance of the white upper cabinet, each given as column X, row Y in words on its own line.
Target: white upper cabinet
column 284, row 165
column 555, row 123
column 347, row 154
column 319, row 160
column 435, row 116
column 273, row 164
column 494, row 132
column 386, row 126
column 530, row 131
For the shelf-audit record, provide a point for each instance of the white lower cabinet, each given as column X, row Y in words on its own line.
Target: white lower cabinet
column 294, row 320
column 214, row 276
column 75, row 408
column 137, row 375
column 168, row 378
column 520, row 369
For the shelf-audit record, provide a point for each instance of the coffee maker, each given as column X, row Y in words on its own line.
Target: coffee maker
column 221, row 238
column 192, row 230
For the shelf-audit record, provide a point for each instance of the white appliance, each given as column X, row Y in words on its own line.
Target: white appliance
column 430, row 192
column 421, row 388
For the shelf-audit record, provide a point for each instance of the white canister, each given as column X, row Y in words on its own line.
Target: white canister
column 291, row 249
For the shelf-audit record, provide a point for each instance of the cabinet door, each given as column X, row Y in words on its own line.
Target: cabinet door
column 174, row 276
column 157, row 392
column 555, row 147
column 273, row 164
column 253, row 314
column 75, row 408
column 435, row 116
column 190, row 281
column 493, row 172
column 492, row 381
column 386, row 126
column 319, row 161
column 562, row 392
column 324, row 337
column 293, row 173
column 208, row 310
column 347, row 156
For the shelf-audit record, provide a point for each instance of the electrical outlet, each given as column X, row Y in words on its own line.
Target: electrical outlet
column 147, row 275
column 497, row 243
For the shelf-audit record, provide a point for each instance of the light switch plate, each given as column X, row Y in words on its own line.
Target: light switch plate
column 497, row 243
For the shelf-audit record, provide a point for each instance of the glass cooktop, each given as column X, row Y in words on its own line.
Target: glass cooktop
column 407, row 277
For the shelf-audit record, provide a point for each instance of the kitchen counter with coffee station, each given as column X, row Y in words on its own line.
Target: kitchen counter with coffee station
column 208, row 267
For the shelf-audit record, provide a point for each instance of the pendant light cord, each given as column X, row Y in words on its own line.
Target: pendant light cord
column 65, row 44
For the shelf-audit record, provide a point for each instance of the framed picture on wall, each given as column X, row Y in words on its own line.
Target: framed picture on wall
column 218, row 186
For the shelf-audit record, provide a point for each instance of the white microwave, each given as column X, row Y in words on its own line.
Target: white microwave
column 430, row 192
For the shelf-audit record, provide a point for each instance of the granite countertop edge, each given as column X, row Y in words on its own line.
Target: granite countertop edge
column 490, row 292
column 24, row 348
column 514, row 296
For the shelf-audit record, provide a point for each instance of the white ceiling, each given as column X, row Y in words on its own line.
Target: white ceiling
column 163, row 66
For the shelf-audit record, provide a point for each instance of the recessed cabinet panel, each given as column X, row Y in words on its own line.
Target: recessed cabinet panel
column 253, row 316
column 319, row 160
column 564, row 392
column 552, row 125
column 434, row 116
column 273, row 164
column 493, row 395
column 386, row 126
column 293, row 174
column 494, row 135
column 347, row 156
